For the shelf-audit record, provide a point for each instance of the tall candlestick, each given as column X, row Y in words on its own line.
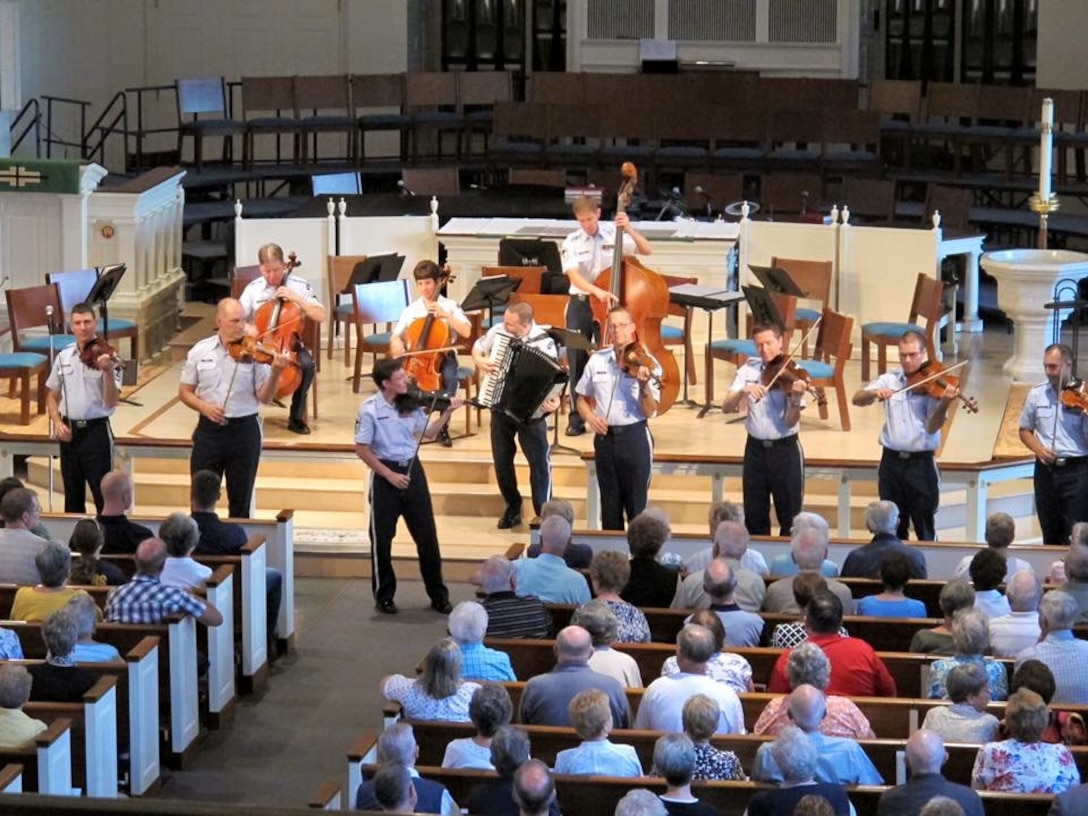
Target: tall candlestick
column 1046, row 144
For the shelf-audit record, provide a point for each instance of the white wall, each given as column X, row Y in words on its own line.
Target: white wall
column 1062, row 26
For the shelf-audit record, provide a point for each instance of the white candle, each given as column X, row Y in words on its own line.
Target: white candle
column 1046, row 143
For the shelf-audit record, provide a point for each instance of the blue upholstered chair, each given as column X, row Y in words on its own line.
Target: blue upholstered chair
column 21, row 366
column 827, row 366
column 927, row 305
column 814, row 278
column 29, row 324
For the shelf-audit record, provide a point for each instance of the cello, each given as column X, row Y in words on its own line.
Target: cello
column 279, row 325
column 427, row 340
column 644, row 294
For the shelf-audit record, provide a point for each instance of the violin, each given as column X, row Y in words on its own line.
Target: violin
column 634, row 356
column 98, row 346
column 782, row 372
column 932, row 380
column 279, row 326
column 1074, row 396
column 250, row 349
column 415, row 398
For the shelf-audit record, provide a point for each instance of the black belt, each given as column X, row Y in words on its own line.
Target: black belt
column 579, row 297
column 620, row 430
column 784, row 442
column 229, row 420
column 394, row 464
column 1069, row 461
column 85, row 423
column 925, row 454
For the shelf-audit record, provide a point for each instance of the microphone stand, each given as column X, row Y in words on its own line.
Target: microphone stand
column 64, row 396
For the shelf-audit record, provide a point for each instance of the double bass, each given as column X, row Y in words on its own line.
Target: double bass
column 644, row 294
column 280, row 324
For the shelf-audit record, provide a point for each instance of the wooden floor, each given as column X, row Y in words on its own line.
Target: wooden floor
column 327, row 488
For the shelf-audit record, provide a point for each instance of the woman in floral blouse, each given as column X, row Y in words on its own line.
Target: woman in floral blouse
column 1024, row 764
column 610, row 572
column 970, row 641
column 439, row 693
column 701, row 717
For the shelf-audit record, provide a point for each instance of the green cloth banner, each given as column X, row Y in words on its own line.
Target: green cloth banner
column 39, row 175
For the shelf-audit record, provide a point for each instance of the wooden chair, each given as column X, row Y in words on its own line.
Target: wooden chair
column 432, row 181
column 268, row 108
column 478, row 92
column 21, row 366
column 828, row 365
column 898, row 102
column 518, row 134
column 788, row 194
column 323, row 105
column 706, row 192
column 379, row 105
column 27, row 311
column 431, row 101
column 926, row 305
column 341, row 308
column 869, row 198
column 814, row 278
column 380, row 302
column 946, row 104
column 74, row 287
column 203, row 111
column 681, row 336
column 538, row 178
column 530, row 277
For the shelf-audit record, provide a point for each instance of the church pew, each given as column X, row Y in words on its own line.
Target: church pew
column 11, row 779
column 47, row 764
column 279, row 535
column 328, row 795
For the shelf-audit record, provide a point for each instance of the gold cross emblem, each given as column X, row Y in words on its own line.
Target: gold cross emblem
column 16, row 177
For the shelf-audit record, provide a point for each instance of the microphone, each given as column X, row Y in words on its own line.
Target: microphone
column 49, row 318
column 404, row 190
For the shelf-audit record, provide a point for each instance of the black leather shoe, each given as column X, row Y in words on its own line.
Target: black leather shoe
column 511, row 518
column 442, row 606
column 386, row 607
column 444, row 438
column 299, row 427
column 575, row 430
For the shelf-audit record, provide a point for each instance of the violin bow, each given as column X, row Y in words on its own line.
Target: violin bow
column 793, row 352
column 931, row 377
column 419, row 442
column 426, row 351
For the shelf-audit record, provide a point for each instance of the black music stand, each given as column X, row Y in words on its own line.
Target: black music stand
column 764, row 309
column 570, row 341
column 109, row 278
column 536, row 252
column 1062, row 290
column 710, row 299
column 489, row 292
column 375, row 269
column 775, row 279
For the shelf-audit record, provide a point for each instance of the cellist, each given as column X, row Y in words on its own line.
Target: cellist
column 429, row 278
column 586, row 253
column 269, row 286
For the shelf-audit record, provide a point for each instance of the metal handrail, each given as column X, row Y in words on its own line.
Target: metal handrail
column 34, row 124
column 105, row 130
column 50, row 139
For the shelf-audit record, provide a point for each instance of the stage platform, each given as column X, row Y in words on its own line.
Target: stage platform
column 320, row 478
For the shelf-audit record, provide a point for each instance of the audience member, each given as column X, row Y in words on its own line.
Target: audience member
column 609, row 574
column 1072, row 802
column 840, row 759
column 1023, row 763
column 10, row 646
column 508, row 614
column 489, row 710
column 813, row 806
column 1000, row 532
column 674, row 759
column 181, row 535
column 892, row 602
column 796, row 758
column 970, row 645
column 882, row 520
column 955, row 595
column 651, row 584
column 730, row 543
column 751, row 560
column 987, row 572
column 808, row 665
column 724, row 666
column 640, row 802
column 577, row 556
column 36, row 602
column 662, row 705
column 509, row 751
column 1065, row 655
column 592, row 720
column 86, row 541
column 9, row 483
column 720, row 583
column 925, row 756
column 856, row 670
column 122, row 536
column 942, row 806
column 1011, row 634
column 438, row 693
column 1035, row 676
column 701, row 716
column 397, row 747
column 547, row 576
column 534, row 790
column 802, row 550
column 17, row 730
column 1076, row 570
column 85, row 613
column 598, row 619
column 145, row 599
column 966, row 720
column 467, row 626
column 393, row 789
column 805, row 586
column 808, row 548
column 546, row 697
column 21, row 512
column 59, row 679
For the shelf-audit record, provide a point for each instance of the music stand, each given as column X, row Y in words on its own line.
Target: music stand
column 490, row 291
column 775, row 279
column 569, row 341
column 710, row 299
column 762, row 305
column 109, row 278
column 536, row 252
column 375, row 269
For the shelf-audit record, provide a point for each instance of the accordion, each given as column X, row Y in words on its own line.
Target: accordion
column 522, row 380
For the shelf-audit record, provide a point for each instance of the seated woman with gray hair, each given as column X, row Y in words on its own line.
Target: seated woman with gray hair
column 489, row 710
column 796, row 757
column 467, row 625
column 955, row 595
column 701, row 716
column 591, row 716
column 59, row 679
column 609, row 574
column 1023, row 763
column 34, row 603
column 808, row 665
column 970, row 643
column 85, row 612
column 181, row 534
column 597, row 618
column 725, row 667
column 17, row 730
column 674, row 759
column 438, row 693
column 966, row 720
